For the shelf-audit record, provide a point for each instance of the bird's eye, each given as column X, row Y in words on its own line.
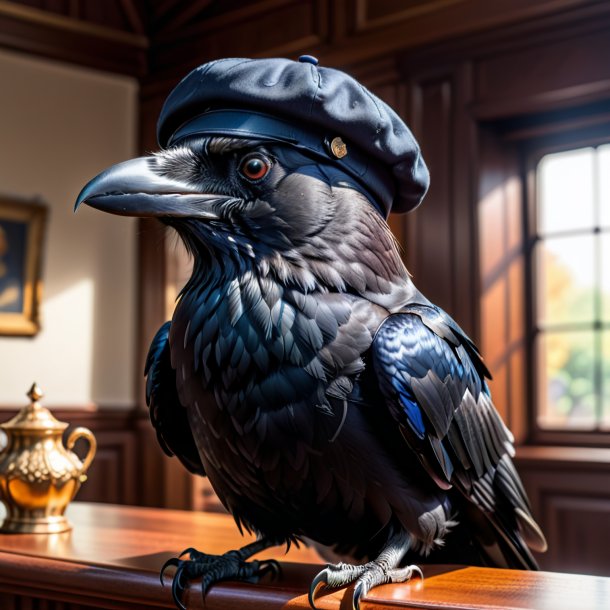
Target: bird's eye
column 255, row 167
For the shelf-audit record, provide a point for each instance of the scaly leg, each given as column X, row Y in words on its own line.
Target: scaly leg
column 380, row 571
column 214, row 568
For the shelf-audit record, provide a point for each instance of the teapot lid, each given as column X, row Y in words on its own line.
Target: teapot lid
column 34, row 416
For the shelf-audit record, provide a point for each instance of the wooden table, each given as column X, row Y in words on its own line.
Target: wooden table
column 112, row 558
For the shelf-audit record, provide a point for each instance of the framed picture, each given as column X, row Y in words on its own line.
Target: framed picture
column 21, row 236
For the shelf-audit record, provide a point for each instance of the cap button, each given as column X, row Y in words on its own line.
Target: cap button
column 308, row 59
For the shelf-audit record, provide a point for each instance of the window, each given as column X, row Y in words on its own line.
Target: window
column 570, row 287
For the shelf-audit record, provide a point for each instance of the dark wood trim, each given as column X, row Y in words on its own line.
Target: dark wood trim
column 188, row 13
column 247, row 12
column 113, row 556
column 133, row 17
column 151, row 295
column 561, row 457
column 96, row 414
column 456, row 22
column 55, row 36
column 568, row 97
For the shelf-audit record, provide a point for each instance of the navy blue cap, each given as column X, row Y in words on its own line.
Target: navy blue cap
column 307, row 106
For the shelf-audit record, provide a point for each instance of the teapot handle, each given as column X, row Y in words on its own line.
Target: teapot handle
column 85, row 433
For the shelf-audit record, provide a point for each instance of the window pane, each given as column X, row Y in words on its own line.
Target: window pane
column 565, row 191
column 566, row 362
column 606, row 379
column 605, row 276
column 566, row 280
column 604, row 185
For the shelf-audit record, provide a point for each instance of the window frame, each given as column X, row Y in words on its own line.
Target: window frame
column 532, row 151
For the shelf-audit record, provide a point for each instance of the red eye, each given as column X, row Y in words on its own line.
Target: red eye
column 255, row 167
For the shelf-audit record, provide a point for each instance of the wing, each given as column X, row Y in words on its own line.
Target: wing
column 167, row 415
column 433, row 380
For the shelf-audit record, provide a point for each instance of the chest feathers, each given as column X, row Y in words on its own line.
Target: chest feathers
column 262, row 349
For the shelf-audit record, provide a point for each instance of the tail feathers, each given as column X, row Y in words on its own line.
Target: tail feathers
column 531, row 532
column 499, row 544
column 503, row 526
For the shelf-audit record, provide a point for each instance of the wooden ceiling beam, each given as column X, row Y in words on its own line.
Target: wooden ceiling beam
column 32, row 30
column 134, row 17
column 188, row 12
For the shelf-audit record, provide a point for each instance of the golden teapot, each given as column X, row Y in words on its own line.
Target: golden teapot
column 38, row 475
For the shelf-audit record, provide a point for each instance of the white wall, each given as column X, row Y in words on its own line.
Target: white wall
column 59, row 126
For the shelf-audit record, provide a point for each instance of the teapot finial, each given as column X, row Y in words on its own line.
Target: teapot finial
column 35, row 393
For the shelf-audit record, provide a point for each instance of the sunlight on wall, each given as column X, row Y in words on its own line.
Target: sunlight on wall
column 69, row 339
column 60, row 126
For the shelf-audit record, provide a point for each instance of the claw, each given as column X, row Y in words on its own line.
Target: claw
column 173, row 562
column 320, row 579
column 213, row 569
column 178, row 589
column 177, row 595
column 359, row 592
column 270, row 565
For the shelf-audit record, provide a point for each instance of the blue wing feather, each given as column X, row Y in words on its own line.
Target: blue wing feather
column 432, row 378
column 433, row 381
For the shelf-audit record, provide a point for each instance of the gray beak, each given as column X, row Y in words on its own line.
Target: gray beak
column 134, row 188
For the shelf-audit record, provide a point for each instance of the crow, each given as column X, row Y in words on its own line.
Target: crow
column 323, row 395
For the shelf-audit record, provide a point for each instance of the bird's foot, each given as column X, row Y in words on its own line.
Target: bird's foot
column 364, row 576
column 213, row 569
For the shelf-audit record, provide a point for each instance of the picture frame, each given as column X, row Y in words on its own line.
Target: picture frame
column 22, row 226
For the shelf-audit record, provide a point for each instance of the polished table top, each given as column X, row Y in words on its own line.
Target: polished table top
column 114, row 553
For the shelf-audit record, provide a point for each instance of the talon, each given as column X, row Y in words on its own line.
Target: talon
column 216, row 568
column 173, row 562
column 178, row 589
column 271, row 565
column 359, row 592
column 320, row 581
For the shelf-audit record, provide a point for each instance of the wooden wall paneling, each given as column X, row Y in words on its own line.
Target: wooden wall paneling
column 162, row 481
column 464, row 152
column 267, row 28
column 441, row 248
column 388, row 26
column 502, row 275
column 430, row 244
column 570, row 493
column 377, row 14
column 113, row 475
column 151, row 294
column 525, row 79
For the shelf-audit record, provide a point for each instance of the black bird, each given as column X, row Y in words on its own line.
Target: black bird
column 303, row 372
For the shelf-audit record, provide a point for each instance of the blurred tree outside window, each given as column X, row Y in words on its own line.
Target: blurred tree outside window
column 571, row 259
